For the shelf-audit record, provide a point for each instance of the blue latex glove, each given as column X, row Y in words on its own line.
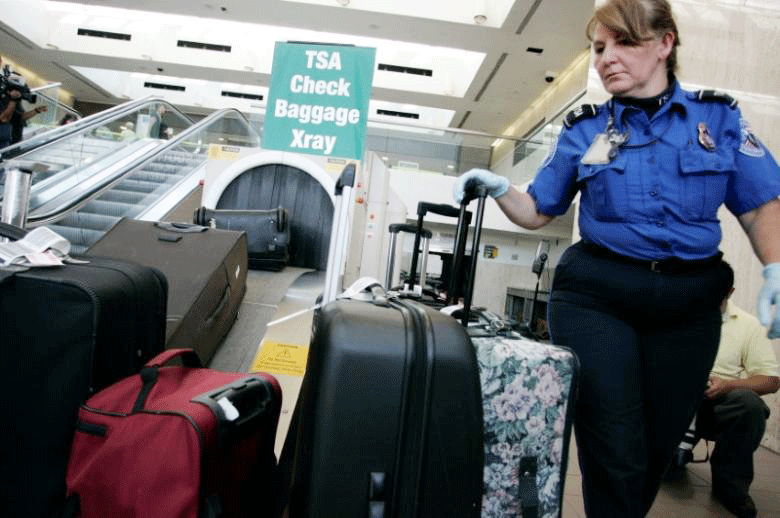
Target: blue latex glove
column 496, row 185
column 769, row 296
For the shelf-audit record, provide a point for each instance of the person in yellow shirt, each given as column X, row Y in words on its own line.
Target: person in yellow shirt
column 732, row 412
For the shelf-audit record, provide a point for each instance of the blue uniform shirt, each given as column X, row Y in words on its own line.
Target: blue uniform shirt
column 659, row 197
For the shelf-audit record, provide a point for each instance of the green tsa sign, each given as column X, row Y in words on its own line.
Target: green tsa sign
column 318, row 99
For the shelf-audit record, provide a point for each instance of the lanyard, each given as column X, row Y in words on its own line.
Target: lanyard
column 619, row 139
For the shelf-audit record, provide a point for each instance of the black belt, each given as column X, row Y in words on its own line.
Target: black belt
column 671, row 265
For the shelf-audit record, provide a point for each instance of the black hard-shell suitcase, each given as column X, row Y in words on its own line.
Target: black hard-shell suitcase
column 268, row 233
column 65, row 332
column 206, row 270
column 389, row 419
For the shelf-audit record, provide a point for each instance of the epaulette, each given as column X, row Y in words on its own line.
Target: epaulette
column 710, row 96
column 584, row 111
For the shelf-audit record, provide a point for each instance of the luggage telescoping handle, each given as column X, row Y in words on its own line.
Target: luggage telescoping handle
column 478, row 192
column 394, row 229
column 339, row 234
column 424, row 208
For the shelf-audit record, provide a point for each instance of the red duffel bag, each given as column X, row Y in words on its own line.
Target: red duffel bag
column 176, row 441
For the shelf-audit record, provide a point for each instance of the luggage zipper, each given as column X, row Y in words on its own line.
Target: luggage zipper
column 410, row 457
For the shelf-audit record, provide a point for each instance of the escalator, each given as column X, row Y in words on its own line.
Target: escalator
column 135, row 192
column 93, row 179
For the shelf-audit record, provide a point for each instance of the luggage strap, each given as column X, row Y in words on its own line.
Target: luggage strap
column 151, row 371
column 529, row 493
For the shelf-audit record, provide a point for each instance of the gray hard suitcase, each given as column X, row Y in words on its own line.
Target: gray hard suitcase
column 206, row 270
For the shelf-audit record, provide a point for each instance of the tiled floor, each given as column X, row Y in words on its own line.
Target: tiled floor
column 690, row 497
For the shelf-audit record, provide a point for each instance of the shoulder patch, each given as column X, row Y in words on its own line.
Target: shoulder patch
column 749, row 145
column 714, row 96
column 584, row 111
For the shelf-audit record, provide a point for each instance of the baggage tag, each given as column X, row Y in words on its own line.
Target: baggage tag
column 47, row 258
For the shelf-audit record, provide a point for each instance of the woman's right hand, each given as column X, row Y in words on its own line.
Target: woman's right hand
column 496, row 185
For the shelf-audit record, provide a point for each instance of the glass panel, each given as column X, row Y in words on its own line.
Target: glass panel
column 134, row 172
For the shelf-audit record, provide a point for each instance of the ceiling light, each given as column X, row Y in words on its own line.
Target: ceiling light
column 479, row 19
column 343, row 2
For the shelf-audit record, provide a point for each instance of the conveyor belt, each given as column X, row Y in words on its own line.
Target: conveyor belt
column 285, row 300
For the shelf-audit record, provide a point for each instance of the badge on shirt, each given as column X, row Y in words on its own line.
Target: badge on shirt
column 599, row 152
column 750, row 145
column 705, row 139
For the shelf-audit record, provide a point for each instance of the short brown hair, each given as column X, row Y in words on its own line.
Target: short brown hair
column 637, row 21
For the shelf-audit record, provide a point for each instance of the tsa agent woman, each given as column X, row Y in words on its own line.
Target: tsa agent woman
column 638, row 297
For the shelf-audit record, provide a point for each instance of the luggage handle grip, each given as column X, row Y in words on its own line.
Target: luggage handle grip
column 182, row 228
column 220, row 307
column 437, row 208
column 189, row 358
column 240, row 401
column 472, row 191
column 151, row 371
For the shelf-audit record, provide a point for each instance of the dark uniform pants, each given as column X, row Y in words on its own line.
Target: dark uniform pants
column 646, row 342
column 736, row 422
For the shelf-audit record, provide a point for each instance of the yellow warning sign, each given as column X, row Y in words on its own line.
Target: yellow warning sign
column 221, row 152
column 280, row 358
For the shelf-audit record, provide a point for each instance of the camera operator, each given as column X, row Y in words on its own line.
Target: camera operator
column 12, row 114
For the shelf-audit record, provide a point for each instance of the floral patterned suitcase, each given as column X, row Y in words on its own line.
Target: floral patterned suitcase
column 527, row 398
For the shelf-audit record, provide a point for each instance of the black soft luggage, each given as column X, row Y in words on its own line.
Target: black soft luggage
column 206, row 270
column 268, row 233
column 65, row 332
column 389, row 419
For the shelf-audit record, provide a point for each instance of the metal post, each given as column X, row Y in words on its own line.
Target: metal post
column 390, row 261
column 16, row 196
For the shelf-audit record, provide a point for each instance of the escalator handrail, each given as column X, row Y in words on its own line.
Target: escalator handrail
column 84, row 124
column 80, row 199
column 61, row 105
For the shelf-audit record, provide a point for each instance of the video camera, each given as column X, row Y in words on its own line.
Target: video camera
column 12, row 81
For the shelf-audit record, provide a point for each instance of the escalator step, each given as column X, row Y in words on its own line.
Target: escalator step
column 150, row 176
column 133, row 185
column 89, row 221
column 169, row 169
column 122, row 196
column 80, row 238
column 108, row 208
